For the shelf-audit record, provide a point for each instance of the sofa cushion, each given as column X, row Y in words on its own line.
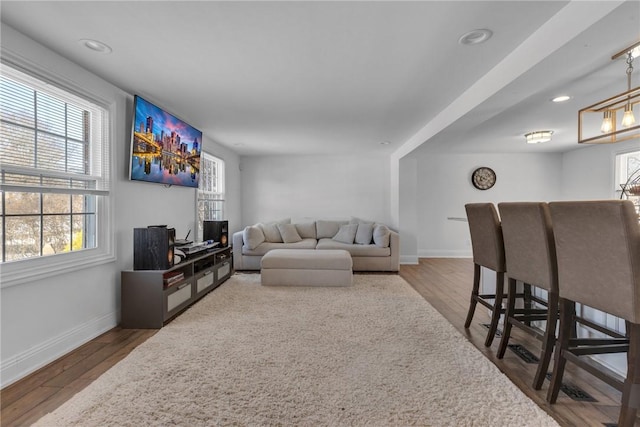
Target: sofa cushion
column 328, row 228
column 310, row 259
column 252, row 236
column 271, row 232
column 354, row 249
column 289, row 233
column 381, row 235
column 364, row 234
column 265, row 247
column 307, row 230
column 346, row 233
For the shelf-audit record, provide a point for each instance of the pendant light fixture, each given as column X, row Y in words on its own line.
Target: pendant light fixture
column 609, row 110
column 628, row 119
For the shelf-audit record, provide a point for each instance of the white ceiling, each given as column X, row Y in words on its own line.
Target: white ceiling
column 342, row 77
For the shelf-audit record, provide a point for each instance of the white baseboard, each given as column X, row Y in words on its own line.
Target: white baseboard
column 18, row 366
column 445, row 253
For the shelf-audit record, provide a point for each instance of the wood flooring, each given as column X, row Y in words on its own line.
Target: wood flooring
column 443, row 282
column 27, row 400
column 446, row 284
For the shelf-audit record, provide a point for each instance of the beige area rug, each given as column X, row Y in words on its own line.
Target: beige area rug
column 375, row 354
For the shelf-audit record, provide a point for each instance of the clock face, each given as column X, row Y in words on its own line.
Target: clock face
column 483, row 178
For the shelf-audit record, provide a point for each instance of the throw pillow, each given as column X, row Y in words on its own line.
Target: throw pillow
column 328, row 228
column 364, row 235
column 346, row 233
column 252, row 236
column 271, row 233
column 289, row 233
column 381, row 235
column 307, row 230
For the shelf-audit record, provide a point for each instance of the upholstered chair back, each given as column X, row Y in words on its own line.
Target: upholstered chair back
column 598, row 248
column 486, row 236
column 528, row 243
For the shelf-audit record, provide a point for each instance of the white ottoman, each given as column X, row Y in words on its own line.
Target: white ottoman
column 306, row 267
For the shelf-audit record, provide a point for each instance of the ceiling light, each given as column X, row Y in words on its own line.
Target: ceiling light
column 95, row 45
column 561, row 98
column 610, row 109
column 628, row 119
column 538, row 136
column 607, row 122
column 385, row 143
column 475, row 37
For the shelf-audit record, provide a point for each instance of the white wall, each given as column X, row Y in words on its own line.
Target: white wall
column 588, row 172
column 444, row 187
column 45, row 319
column 276, row 187
column 408, row 218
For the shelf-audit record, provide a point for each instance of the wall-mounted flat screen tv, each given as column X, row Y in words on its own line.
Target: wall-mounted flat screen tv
column 164, row 149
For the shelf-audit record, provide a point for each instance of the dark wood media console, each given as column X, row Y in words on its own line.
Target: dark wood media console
column 151, row 297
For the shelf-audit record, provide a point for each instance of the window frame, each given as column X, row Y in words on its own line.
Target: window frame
column 621, row 177
column 222, row 195
column 41, row 267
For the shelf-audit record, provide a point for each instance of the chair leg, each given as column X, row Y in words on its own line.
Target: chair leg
column 509, row 313
column 631, row 389
column 548, row 341
column 497, row 309
column 528, row 305
column 474, row 295
column 567, row 309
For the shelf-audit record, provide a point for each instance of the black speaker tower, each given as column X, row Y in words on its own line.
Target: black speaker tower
column 153, row 248
column 218, row 231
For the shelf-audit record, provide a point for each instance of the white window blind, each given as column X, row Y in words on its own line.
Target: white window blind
column 51, row 139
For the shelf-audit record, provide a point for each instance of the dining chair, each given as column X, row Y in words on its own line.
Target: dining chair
column 531, row 259
column 488, row 252
column 598, row 252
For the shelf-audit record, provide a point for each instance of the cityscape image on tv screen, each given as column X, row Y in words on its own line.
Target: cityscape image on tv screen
column 164, row 149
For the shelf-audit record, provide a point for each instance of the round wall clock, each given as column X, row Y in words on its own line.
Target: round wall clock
column 483, row 178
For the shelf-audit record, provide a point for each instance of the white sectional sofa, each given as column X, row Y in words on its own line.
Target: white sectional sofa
column 373, row 247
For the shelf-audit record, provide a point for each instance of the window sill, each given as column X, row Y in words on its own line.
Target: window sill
column 30, row 270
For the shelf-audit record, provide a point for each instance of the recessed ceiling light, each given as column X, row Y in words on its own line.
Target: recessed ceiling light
column 385, row 143
column 475, row 37
column 95, row 45
column 561, row 98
